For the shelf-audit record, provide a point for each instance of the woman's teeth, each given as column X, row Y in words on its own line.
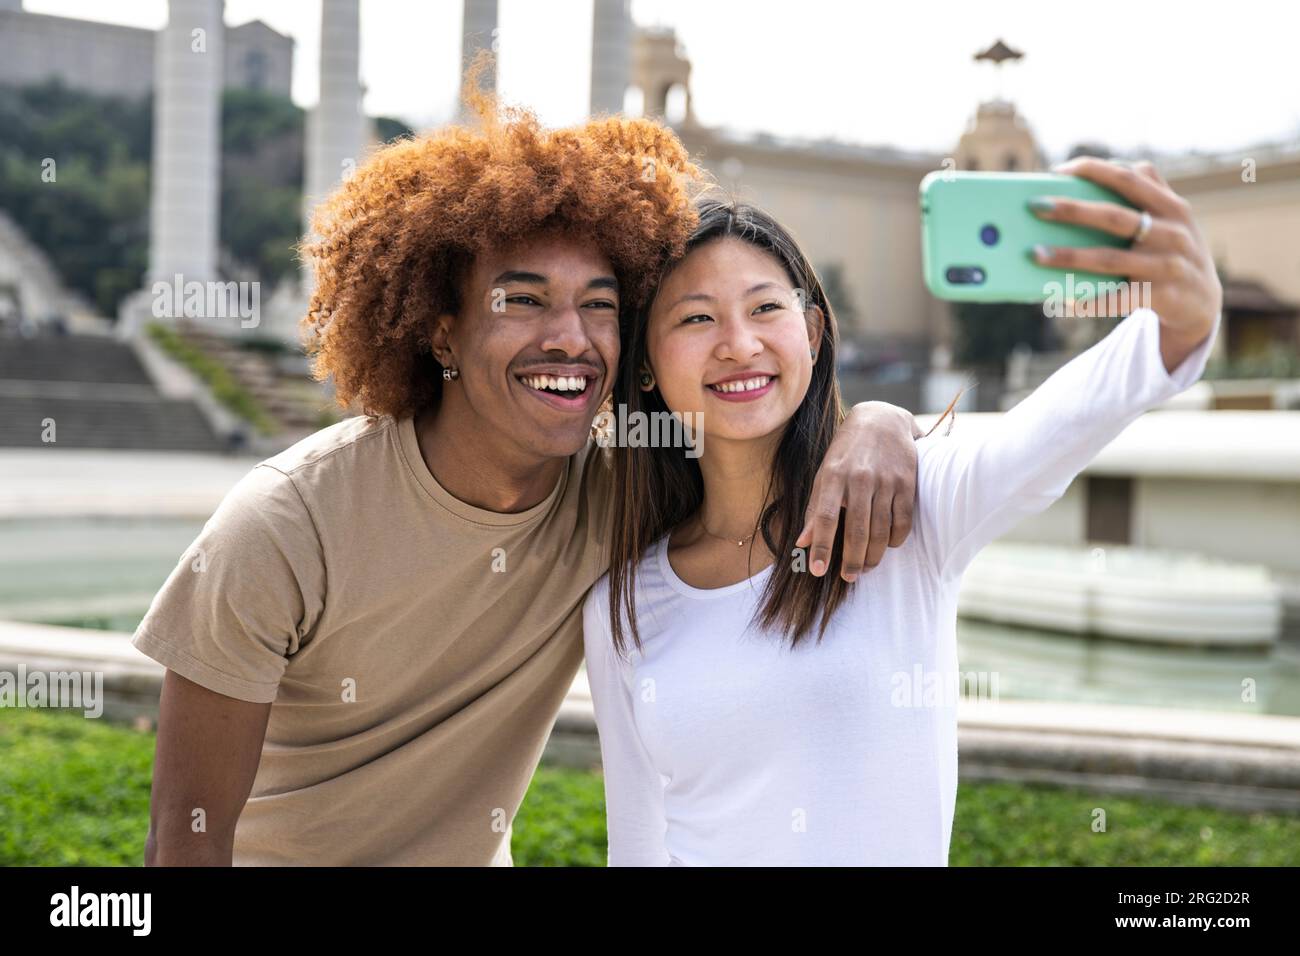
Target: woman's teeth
column 742, row 385
column 556, row 383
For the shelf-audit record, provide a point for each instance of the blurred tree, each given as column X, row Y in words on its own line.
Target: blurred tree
column 389, row 129
column 92, row 220
column 74, row 176
column 261, row 180
column 987, row 332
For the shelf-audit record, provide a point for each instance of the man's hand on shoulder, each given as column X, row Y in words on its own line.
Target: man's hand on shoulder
column 870, row 473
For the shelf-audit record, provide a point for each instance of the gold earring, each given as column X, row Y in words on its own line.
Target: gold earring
column 602, row 426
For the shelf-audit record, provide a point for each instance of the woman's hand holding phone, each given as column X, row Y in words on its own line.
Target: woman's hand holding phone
column 1174, row 258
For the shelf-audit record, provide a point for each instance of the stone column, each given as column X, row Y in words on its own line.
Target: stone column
column 336, row 127
column 611, row 54
column 186, row 163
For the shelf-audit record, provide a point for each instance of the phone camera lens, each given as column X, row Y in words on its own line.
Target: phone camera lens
column 964, row 275
column 989, row 235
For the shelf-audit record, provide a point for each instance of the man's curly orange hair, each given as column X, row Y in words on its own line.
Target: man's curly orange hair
column 392, row 244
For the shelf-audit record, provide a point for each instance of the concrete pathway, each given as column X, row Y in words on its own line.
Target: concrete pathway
column 66, row 482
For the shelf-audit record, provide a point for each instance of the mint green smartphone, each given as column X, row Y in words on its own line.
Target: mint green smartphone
column 977, row 230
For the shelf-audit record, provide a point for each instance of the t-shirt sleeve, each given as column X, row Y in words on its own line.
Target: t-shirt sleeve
column 973, row 488
column 245, row 595
column 634, row 790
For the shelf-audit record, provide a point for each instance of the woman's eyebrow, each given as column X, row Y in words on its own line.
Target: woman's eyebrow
column 705, row 297
column 692, row 297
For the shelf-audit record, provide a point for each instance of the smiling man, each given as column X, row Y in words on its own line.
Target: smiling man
column 369, row 642
column 530, row 373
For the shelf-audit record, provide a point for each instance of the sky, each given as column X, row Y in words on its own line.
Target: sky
column 1172, row 77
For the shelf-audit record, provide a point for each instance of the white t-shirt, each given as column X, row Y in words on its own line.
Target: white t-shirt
column 722, row 747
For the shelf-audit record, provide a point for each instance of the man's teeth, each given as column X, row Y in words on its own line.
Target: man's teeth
column 742, row 385
column 556, row 383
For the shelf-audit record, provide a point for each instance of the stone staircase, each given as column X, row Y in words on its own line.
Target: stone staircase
column 70, row 358
column 279, row 383
column 97, row 395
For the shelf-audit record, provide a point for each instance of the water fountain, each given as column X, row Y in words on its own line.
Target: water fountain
column 1140, row 594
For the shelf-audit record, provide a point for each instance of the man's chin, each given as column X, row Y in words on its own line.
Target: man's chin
column 561, row 445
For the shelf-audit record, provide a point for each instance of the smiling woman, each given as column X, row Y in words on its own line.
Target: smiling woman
column 751, row 713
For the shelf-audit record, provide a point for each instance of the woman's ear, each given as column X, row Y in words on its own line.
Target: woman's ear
column 816, row 327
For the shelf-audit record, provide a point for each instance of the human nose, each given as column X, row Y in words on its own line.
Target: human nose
column 738, row 340
column 566, row 332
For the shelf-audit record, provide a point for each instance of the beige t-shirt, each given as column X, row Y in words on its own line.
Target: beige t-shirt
column 417, row 649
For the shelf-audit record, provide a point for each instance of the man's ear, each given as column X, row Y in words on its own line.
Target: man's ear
column 440, row 337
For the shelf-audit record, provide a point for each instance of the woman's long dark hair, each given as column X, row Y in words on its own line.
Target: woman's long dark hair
column 656, row 490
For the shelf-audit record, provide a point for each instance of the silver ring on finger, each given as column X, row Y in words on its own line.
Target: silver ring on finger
column 1144, row 227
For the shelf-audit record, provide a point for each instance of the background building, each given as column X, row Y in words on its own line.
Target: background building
column 114, row 60
column 854, row 209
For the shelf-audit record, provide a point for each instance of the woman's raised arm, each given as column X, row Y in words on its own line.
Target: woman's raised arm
column 972, row 488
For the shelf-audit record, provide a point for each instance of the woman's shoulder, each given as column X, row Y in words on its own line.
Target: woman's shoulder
column 934, row 450
column 595, row 608
column 598, row 596
column 936, row 455
column 648, row 562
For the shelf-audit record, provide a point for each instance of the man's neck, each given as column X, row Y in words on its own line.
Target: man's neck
column 473, row 468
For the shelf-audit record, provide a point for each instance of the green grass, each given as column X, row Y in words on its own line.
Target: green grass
column 561, row 821
column 73, row 792
column 1004, row 824
column 76, row 792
